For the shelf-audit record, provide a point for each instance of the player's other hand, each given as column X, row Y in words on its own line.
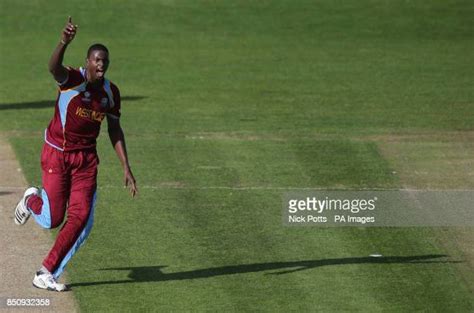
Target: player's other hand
column 69, row 31
column 130, row 182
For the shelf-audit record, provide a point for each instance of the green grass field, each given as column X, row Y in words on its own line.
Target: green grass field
column 228, row 104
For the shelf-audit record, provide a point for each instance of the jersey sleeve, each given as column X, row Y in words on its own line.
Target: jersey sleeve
column 74, row 78
column 114, row 112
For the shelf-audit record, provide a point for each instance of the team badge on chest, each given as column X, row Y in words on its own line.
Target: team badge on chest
column 87, row 96
column 104, row 103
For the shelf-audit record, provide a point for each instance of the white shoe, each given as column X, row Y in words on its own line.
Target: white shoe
column 47, row 281
column 22, row 214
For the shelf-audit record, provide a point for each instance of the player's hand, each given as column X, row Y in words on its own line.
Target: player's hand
column 130, row 182
column 69, row 32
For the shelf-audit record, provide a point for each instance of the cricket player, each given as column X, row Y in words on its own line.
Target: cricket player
column 69, row 158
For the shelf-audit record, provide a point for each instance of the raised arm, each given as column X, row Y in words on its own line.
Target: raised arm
column 55, row 64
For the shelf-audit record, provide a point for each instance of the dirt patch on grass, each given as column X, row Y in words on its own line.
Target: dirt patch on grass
column 459, row 241
column 448, row 136
column 439, row 161
column 23, row 247
column 172, row 184
column 240, row 136
column 432, row 164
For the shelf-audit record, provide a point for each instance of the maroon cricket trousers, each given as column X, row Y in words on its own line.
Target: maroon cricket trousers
column 69, row 188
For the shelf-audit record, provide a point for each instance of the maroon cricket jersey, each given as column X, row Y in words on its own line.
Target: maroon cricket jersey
column 79, row 111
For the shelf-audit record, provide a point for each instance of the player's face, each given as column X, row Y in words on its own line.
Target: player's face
column 97, row 64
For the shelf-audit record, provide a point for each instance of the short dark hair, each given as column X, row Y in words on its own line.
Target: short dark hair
column 96, row 47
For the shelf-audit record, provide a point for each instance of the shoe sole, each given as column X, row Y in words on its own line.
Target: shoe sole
column 20, row 217
column 47, row 288
column 43, row 287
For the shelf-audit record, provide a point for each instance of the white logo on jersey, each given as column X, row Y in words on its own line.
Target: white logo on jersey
column 104, row 102
column 86, row 97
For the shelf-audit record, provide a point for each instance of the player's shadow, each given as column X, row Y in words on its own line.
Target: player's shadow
column 146, row 274
column 48, row 104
